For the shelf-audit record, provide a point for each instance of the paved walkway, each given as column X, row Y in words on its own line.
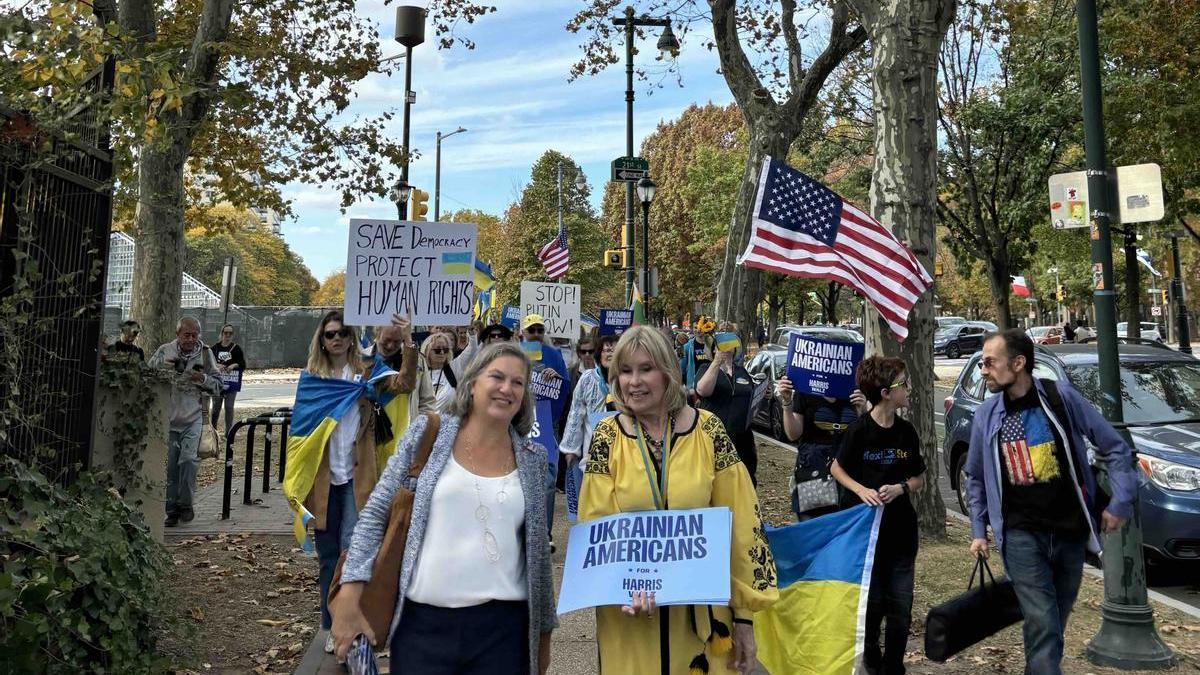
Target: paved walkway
column 268, row 514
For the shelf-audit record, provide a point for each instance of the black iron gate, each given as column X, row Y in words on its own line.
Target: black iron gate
column 55, row 219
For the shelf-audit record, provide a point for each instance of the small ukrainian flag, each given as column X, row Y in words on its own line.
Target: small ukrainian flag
column 532, row 349
column 726, row 342
column 457, row 263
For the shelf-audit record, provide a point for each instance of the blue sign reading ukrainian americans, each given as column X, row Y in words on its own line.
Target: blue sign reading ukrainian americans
column 615, row 321
column 682, row 556
column 823, row 367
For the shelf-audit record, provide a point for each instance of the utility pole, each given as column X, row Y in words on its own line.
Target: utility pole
column 1058, row 294
column 410, row 32
column 1127, row 637
column 437, row 174
column 1181, row 310
column 1133, row 282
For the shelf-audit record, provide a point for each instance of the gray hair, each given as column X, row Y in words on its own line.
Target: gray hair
column 187, row 318
column 463, row 402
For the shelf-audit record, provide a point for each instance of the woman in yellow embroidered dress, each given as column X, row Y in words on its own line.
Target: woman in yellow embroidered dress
column 659, row 446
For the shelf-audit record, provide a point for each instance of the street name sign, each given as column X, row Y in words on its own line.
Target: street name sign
column 629, row 169
column 1069, row 200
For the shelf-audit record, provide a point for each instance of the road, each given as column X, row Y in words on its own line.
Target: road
column 266, row 395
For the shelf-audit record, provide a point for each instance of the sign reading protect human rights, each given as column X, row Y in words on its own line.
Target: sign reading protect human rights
column 558, row 305
column 823, row 367
column 411, row 268
column 682, row 556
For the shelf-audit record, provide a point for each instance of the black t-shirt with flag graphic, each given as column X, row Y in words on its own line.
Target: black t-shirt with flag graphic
column 1038, row 495
column 875, row 456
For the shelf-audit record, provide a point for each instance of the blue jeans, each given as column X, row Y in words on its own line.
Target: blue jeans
column 340, row 516
column 1045, row 569
column 890, row 598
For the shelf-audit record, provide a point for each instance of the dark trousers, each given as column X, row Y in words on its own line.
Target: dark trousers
column 225, row 400
column 341, row 514
column 890, row 599
column 743, row 442
column 1045, row 569
column 487, row 639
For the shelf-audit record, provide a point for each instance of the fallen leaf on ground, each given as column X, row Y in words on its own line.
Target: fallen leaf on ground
column 271, row 622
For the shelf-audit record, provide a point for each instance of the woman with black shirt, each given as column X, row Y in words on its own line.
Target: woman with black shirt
column 880, row 464
column 816, row 424
column 726, row 390
column 230, row 365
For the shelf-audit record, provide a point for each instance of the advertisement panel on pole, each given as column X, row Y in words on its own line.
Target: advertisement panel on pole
column 411, row 268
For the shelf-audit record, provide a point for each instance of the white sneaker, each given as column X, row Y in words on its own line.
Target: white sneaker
column 329, row 643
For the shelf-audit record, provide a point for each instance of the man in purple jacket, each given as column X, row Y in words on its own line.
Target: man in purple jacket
column 1028, row 477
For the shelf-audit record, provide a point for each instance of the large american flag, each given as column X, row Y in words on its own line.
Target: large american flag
column 803, row 229
column 555, row 256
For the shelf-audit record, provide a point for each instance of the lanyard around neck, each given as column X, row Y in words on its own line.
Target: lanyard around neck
column 659, row 491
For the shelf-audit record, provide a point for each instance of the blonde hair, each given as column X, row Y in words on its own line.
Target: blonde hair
column 319, row 363
column 438, row 336
column 463, row 401
column 661, row 355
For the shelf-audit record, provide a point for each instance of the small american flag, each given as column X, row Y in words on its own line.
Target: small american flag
column 555, row 256
column 803, row 229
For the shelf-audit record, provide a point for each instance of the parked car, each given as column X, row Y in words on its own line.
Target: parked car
column 821, row 332
column 947, row 321
column 963, row 338
column 768, row 366
column 1160, row 391
column 1149, row 330
column 1046, row 335
column 991, row 327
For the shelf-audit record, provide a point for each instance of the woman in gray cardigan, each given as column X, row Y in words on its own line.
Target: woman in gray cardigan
column 476, row 589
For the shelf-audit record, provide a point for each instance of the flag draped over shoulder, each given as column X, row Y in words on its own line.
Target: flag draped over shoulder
column 320, row 403
column 824, row 568
column 803, row 229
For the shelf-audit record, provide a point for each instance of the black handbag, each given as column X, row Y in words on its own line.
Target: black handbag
column 976, row 615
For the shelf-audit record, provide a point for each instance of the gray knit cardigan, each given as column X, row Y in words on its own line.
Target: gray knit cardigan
column 372, row 521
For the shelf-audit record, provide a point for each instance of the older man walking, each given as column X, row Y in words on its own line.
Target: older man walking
column 195, row 375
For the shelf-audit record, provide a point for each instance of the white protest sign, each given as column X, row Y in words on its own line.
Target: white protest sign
column 558, row 305
column 409, row 267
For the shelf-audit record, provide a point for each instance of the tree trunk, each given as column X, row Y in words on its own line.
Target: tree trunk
column 1133, row 289
column 905, row 38
column 773, row 306
column 158, row 230
column 1000, row 280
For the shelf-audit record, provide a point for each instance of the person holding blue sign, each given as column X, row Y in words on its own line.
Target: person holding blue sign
column 231, row 363
column 660, row 453
column 880, row 464
column 726, row 390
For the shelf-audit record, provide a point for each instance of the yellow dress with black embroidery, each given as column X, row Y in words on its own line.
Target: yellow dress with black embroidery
column 704, row 471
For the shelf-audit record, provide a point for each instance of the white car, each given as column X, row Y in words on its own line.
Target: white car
column 1149, row 330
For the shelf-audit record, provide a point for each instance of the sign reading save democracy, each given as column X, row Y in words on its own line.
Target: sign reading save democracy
column 682, row 556
column 823, row 367
column 615, row 321
column 425, row 270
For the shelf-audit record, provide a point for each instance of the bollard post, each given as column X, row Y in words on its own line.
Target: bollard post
column 247, row 482
column 228, row 469
column 287, row 424
column 266, row 481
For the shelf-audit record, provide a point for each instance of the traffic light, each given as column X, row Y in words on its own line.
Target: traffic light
column 937, row 268
column 1164, row 296
column 614, row 257
column 418, row 205
column 1061, row 293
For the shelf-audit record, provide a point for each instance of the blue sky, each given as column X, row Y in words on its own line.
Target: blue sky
column 511, row 93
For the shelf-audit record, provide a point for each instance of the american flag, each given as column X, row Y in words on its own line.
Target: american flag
column 1017, row 460
column 803, row 229
column 555, row 256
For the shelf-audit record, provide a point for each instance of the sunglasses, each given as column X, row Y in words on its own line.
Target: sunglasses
column 535, row 331
column 439, row 350
column 587, row 352
column 897, row 385
column 341, row 332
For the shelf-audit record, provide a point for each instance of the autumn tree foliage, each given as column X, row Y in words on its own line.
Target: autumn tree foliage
column 332, row 292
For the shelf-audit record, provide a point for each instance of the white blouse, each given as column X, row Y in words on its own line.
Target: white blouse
column 443, row 391
column 341, row 441
column 453, row 568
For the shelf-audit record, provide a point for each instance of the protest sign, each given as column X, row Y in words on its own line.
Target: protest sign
column 823, row 367
column 615, row 321
column 511, row 317
column 682, row 556
column 558, row 305
column 415, row 268
column 543, row 429
column 546, row 388
column 231, row 380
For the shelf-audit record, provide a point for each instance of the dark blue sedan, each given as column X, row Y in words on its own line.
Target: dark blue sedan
column 1160, row 390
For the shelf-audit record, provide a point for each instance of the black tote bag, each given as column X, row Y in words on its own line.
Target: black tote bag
column 979, row 613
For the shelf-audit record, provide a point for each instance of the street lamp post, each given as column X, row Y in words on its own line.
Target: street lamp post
column 437, row 174
column 1057, row 295
column 1127, row 637
column 580, row 184
column 399, row 196
column 669, row 46
column 645, row 191
column 1181, row 310
column 410, row 32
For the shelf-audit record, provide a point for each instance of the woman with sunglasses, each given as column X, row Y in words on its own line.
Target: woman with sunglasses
column 438, row 353
column 231, row 363
column 592, row 396
column 880, row 464
column 349, row 466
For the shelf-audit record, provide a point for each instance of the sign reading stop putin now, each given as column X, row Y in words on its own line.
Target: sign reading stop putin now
column 558, row 305
column 411, row 268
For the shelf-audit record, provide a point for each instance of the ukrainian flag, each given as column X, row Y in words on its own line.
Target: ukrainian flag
column 484, row 279
column 726, row 342
column 532, row 349
column 824, row 568
column 485, row 301
column 320, row 403
column 455, row 263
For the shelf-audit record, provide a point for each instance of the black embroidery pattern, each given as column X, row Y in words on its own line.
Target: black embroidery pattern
column 601, row 448
column 724, row 454
column 760, row 555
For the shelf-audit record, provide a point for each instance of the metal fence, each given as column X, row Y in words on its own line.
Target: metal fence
column 55, row 217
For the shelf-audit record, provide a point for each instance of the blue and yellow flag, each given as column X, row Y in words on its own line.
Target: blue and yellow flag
column 485, row 301
column 456, row 262
column 484, row 279
column 824, row 568
column 320, row 403
column 726, row 342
